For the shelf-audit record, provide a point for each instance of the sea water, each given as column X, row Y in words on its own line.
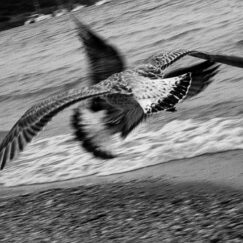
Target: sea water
column 41, row 59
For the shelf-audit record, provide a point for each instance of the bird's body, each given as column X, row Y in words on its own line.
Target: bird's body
column 127, row 95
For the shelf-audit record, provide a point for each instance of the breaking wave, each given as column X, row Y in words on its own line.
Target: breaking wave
column 61, row 158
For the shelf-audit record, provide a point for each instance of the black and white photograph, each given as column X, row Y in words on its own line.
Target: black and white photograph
column 121, row 121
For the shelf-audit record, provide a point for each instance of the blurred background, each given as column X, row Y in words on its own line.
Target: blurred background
column 43, row 56
column 15, row 13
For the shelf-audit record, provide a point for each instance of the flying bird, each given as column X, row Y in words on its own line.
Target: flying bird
column 126, row 95
column 105, row 60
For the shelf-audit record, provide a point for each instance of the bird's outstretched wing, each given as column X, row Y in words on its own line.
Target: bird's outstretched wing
column 39, row 115
column 156, row 65
column 104, row 59
column 202, row 74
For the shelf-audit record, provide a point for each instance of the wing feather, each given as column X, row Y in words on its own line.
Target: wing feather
column 21, row 143
column 13, row 148
column 104, row 60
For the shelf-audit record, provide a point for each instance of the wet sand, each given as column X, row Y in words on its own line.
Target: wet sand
column 192, row 200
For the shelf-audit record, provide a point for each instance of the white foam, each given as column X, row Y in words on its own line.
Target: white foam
column 58, row 158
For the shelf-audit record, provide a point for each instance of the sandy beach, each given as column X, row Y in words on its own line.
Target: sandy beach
column 193, row 200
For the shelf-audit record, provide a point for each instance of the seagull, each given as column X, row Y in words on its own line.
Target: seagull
column 127, row 95
column 105, row 60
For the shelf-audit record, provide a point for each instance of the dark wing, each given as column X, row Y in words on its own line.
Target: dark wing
column 121, row 120
column 84, row 133
column 225, row 59
column 104, row 59
column 38, row 116
column 202, row 75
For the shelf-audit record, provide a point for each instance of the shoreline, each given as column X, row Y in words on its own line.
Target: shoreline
column 224, row 169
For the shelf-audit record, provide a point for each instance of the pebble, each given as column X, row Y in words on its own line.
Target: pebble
column 119, row 213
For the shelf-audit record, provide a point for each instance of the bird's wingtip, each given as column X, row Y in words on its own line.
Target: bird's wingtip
column 79, row 25
column 73, row 17
column 2, row 161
